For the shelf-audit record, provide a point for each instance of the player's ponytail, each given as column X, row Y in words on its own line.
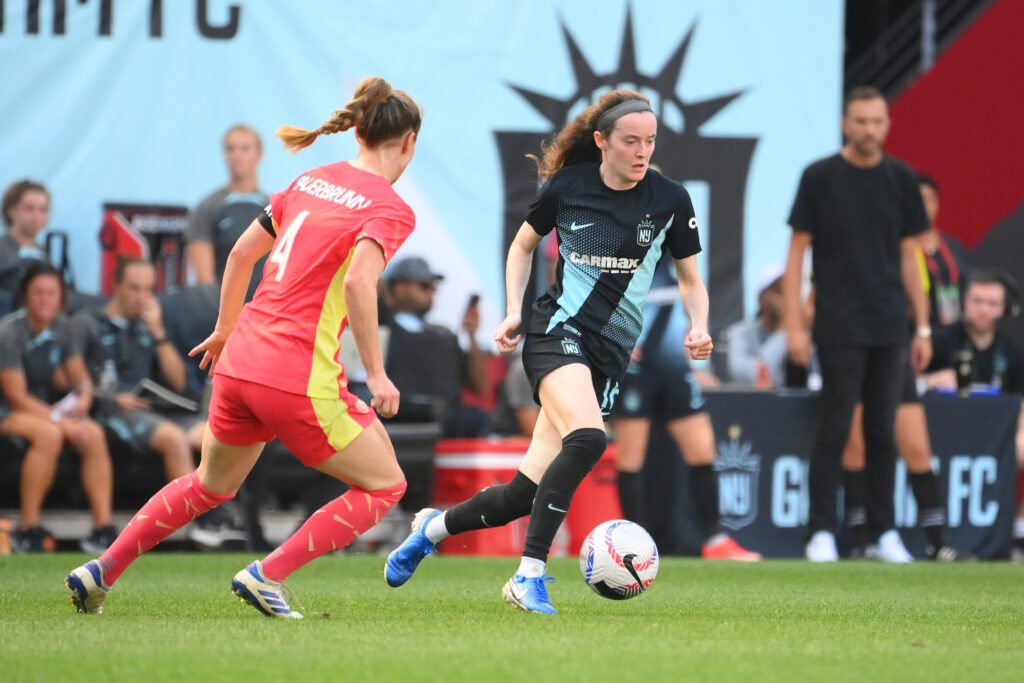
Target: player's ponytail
column 574, row 144
column 377, row 111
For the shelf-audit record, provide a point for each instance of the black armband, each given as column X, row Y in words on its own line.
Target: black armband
column 267, row 222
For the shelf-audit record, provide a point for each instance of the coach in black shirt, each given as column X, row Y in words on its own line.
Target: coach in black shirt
column 861, row 210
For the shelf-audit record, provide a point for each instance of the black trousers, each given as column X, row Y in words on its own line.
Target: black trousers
column 872, row 375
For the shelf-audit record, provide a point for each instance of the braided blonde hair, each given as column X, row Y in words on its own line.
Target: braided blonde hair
column 377, row 111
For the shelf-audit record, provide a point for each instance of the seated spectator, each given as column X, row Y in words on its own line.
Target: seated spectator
column 38, row 363
column 944, row 258
column 757, row 348
column 26, row 211
column 221, row 218
column 424, row 360
column 994, row 359
column 127, row 338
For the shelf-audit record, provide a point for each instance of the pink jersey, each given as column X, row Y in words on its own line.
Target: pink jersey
column 288, row 336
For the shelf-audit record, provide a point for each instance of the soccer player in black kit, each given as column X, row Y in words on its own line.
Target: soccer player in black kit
column 862, row 211
column 613, row 217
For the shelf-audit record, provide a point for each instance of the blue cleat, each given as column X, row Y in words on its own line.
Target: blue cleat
column 87, row 588
column 265, row 595
column 529, row 594
column 404, row 559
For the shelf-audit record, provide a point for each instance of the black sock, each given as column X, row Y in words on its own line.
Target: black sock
column 493, row 506
column 704, row 490
column 581, row 449
column 930, row 514
column 631, row 496
column 856, row 509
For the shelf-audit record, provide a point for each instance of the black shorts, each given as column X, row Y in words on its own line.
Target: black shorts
column 665, row 391
column 543, row 353
column 908, row 391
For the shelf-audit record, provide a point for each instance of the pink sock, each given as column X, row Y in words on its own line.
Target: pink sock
column 333, row 526
column 173, row 506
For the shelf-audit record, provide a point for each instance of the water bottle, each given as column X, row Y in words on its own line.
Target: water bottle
column 108, row 381
column 964, row 361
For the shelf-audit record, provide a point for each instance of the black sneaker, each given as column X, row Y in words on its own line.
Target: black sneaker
column 216, row 536
column 945, row 553
column 33, row 540
column 99, row 540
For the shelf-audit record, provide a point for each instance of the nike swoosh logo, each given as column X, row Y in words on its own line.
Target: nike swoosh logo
column 552, row 507
column 627, row 562
column 575, row 227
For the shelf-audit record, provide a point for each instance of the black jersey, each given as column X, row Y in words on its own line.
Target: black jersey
column 857, row 218
column 609, row 244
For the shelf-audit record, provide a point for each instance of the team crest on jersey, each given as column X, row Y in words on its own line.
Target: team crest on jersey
column 738, row 475
column 645, row 232
column 571, row 347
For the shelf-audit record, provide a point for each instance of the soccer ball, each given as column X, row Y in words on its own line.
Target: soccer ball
column 619, row 559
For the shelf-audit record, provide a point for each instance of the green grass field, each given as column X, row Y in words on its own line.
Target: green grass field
column 172, row 617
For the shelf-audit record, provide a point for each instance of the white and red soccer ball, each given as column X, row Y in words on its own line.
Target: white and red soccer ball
column 619, row 559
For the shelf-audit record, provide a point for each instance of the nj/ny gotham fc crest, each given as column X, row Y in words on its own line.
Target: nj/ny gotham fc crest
column 738, row 476
column 683, row 153
column 645, row 232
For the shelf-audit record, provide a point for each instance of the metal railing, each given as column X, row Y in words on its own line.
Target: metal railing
column 912, row 43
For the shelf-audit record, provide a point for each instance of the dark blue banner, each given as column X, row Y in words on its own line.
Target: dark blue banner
column 763, row 445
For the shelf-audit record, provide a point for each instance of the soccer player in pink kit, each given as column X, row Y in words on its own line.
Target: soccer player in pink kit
column 330, row 235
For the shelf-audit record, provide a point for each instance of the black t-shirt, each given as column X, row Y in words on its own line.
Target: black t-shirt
column 126, row 342
column 1001, row 364
column 37, row 355
column 857, row 218
column 609, row 244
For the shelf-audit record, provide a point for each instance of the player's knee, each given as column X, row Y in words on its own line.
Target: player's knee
column 387, row 497
column 587, row 444
column 519, row 494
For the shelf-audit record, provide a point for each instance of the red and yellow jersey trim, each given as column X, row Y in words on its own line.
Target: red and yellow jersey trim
column 326, row 373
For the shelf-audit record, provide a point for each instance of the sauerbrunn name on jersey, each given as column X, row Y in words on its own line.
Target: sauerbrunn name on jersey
column 322, row 189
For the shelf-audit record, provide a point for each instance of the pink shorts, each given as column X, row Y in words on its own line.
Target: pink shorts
column 313, row 429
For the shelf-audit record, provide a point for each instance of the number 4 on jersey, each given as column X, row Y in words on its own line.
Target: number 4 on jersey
column 284, row 245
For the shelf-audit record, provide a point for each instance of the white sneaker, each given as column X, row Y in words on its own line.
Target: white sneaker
column 890, row 548
column 822, row 547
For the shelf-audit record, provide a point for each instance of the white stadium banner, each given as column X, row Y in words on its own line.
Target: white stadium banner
column 126, row 101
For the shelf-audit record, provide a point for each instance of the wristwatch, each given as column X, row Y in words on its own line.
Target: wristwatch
column 924, row 331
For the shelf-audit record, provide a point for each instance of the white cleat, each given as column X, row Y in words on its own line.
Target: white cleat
column 822, row 548
column 265, row 595
column 87, row 588
column 890, row 549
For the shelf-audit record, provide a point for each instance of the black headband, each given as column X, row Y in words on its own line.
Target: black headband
column 605, row 121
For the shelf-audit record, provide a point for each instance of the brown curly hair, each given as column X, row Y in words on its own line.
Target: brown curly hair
column 377, row 111
column 574, row 144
